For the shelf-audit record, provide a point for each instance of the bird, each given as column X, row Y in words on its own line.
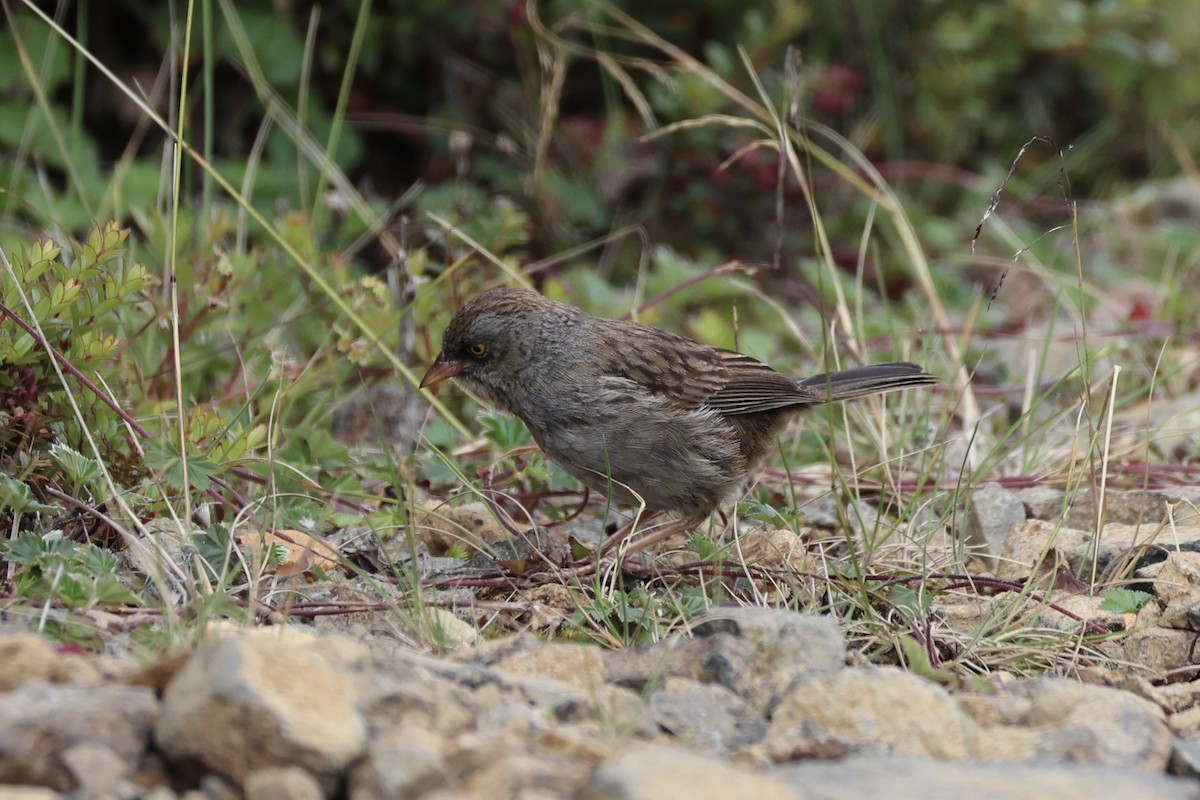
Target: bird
column 644, row 416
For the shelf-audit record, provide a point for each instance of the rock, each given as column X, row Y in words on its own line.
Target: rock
column 580, row 694
column 973, row 616
column 279, row 713
column 1175, row 577
column 251, row 702
column 1159, row 650
column 1182, row 612
column 705, row 660
column 909, row 778
column 28, row 793
column 1170, row 697
column 991, row 513
column 95, row 768
column 577, row 664
column 445, row 526
column 1041, row 502
column 705, row 714
column 531, row 772
column 518, row 751
column 1121, row 507
column 161, row 792
column 1062, row 719
column 1185, row 757
column 773, row 647
column 642, row 666
column 1147, row 543
column 1186, row 723
column 41, row 723
column 869, row 710
column 492, row 652
column 282, row 783
column 965, row 613
column 780, row 548
column 500, row 713
column 450, row 632
column 216, row 787
column 1082, row 606
column 823, row 511
column 405, row 761
column 405, row 691
column 616, row 708
column 1036, row 546
column 26, row 657
column 662, row 772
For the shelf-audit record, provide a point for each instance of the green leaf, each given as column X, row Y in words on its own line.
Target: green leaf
column 80, row 470
column 756, row 509
column 1124, row 601
column 71, row 590
column 162, row 457
column 703, row 545
column 324, row 449
column 111, row 591
column 19, row 497
column 28, row 549
column 97, row 561
column 904, row 597
column 504, row 431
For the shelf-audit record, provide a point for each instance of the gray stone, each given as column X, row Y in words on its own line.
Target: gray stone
column 870, row 710
column 282, row 783
column 991, row 513
column 26, row 657
column 777, row 646
column 522, row 772
column 1175, row 577
column 907, row 778
column 580, row 665
column 402, row 762
column 1061, row 719
column 28, row 793
column 1158, row 649
column 1037, row 547
column 41, row 723
column 708, row 715
column 388, row 697
column 96, row 769
column 1185, row 756
column 662, row 772
column 613, row 706
column 217, row 787
column 1041, row 502
column 1121, row 507
column 1031, row 544
column 245, row 703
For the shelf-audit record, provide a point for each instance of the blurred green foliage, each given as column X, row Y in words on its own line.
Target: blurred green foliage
column 939, row 83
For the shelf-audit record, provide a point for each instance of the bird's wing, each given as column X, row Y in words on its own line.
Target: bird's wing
column 751, row 386
column 667, row 365
column 750, row 394
column 691, row 375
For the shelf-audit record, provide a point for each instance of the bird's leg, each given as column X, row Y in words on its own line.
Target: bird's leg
column 624, row 532
column 641, row 543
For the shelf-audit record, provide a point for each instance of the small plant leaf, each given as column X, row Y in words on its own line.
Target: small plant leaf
column 1124, row 601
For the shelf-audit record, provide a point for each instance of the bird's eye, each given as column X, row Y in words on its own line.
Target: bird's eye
column 477, row 350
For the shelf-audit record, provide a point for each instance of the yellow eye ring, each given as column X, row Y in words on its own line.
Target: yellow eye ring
column 478, row 349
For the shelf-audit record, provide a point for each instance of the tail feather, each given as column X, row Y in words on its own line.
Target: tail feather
column 861, row 381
